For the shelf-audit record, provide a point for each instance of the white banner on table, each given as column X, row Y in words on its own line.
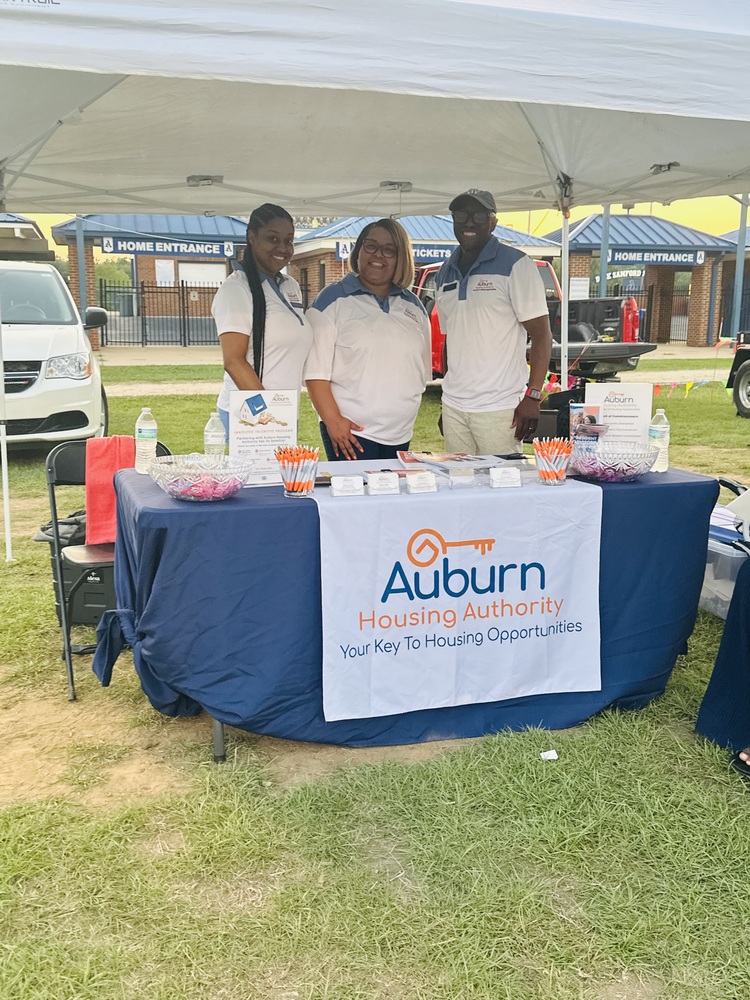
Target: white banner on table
column 259, row 423
column 458, row 598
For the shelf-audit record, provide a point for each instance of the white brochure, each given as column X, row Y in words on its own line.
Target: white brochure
column 259, row 423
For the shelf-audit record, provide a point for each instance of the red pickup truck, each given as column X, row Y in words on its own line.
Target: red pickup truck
column 602, row 333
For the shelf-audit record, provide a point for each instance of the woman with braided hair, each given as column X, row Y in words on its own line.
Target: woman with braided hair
column 265, row 337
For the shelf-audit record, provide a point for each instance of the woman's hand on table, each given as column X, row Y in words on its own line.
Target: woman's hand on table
column 340, row 430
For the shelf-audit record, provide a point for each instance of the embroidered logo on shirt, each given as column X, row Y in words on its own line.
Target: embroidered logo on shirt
column 484, row 285
column 411, row 314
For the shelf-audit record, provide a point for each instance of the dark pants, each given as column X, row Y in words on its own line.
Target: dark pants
column 371, row 449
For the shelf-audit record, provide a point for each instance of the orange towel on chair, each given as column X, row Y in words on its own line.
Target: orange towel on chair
column 104, row 456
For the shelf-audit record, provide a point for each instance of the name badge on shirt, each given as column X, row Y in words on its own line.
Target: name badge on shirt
column 450, row 287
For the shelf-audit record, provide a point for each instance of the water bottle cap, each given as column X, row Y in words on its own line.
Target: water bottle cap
column 146, row 409
column 214, row 413
column 660, row 410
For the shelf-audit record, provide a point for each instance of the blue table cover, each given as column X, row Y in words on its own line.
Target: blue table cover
column 221, row 604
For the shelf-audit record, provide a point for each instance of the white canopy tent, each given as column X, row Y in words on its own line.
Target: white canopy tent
column 318, row 105
column 336, row 107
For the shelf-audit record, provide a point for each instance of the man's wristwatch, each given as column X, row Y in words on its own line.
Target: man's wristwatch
column 534, row 394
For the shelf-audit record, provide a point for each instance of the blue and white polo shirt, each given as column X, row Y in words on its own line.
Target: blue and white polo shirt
column 481, row 314
column 375, row 353
column 288, row 336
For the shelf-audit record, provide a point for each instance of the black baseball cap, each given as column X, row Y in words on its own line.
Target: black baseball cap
column 485, row 199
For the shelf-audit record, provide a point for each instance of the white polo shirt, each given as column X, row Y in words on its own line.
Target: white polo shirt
column 288, row 335
column 376, row 355
column 481, row 315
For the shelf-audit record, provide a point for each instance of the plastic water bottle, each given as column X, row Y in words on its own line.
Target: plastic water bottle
column 214, row 438
column 145, row 440
column 658, row 437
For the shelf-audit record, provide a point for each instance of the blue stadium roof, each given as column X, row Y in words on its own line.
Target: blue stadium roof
column 636, row 232
column 421, row 228
column 192, row 227
column 9, row 217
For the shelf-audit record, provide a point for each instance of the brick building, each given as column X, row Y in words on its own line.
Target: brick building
column 178, row 261
column 321, row 256
column 661, row 249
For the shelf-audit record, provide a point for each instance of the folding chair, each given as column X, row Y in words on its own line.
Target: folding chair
column 66, row 466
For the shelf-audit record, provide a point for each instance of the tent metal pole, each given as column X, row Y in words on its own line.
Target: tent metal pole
column 739, row 269
column 604, row 252
column 564, row 307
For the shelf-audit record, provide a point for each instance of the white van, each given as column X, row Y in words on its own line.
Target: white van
column 53, row 386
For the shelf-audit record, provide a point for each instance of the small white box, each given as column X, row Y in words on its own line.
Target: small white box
column 722, row 566
column 505, row 475
column 382, row 483
column 460, row 478
column 421, row 482
column 347, row 486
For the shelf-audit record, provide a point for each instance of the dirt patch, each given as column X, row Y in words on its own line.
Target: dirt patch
column 165, row 388
column 44, row 739
column 90, row 752
column 293, row 763
column 631, row 986
column 718, row 374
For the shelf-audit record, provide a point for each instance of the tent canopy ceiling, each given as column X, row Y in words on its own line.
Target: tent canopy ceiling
column 388, row 109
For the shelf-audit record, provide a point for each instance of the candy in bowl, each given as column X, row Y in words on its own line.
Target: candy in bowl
column 200, row 477
column 612, row 462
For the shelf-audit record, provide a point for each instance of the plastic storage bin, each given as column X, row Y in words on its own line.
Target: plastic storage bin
column 722, row 566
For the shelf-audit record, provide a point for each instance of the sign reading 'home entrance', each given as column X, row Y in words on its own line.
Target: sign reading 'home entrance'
column 166, row 248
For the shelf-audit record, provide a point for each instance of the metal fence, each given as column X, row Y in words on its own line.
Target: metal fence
column 679, row 322
column 148, row 314
column 727, row 309
column 180, row 314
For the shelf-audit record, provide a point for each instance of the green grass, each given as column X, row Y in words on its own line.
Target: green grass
column 156, row 374
column 710, row 360
column 120, row 374
column 620, row 870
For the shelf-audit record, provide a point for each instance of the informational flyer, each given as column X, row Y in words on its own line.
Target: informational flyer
column 625, row 409
column 259, row 423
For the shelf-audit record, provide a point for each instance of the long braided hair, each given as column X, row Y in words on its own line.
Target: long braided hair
column 260, row 217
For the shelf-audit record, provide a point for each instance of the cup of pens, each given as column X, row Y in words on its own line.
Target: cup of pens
column 552, row 457
column 298, row 469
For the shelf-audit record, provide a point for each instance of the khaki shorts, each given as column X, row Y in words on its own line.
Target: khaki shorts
column 487, row 433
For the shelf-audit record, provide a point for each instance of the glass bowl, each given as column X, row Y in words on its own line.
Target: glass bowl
column 610, row 462
column 200, row 478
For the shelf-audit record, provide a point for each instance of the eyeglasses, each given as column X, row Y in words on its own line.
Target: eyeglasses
column 478, row 218
column 386, row 249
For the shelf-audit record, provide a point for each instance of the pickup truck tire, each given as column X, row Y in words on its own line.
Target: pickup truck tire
column 741, row 390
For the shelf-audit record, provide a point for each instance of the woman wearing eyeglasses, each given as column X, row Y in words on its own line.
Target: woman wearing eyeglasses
column 370, row 358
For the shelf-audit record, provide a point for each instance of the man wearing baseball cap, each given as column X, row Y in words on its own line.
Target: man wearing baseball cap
column 491, row 300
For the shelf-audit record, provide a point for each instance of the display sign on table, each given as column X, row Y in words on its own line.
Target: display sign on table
column 259, row 423
column 457, row 598
column 625, row 409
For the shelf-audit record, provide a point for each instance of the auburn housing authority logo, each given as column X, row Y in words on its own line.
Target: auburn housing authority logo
column 426, row 546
